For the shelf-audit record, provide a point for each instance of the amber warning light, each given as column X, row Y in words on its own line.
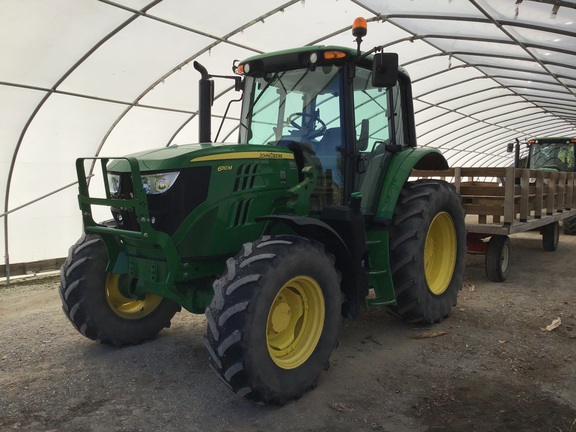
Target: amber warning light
column 334, row 55
column 359, row 27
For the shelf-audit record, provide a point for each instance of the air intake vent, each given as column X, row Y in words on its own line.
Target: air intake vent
column 245, row 176
column 240, row 215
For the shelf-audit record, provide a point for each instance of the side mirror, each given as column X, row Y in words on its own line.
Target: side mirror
column 510, row 147
column 385, row 70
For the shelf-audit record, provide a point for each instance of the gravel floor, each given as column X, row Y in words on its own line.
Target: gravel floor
column 490, row 368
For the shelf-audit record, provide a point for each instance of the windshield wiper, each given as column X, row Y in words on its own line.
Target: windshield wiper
column 252, row 105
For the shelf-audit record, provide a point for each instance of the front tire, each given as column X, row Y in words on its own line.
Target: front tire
column 92, row 299
column 427, row 251
column 274, row 319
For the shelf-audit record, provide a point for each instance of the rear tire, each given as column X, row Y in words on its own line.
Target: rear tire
column 551, row 236
column 94, row 304
column 274, row 319
column 569, row 225
column 498, row 258
column 427, row 251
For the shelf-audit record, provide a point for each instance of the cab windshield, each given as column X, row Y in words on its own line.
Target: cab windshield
column 304, row 111
column 300, row 110
column 296, row 105
column 552, row 155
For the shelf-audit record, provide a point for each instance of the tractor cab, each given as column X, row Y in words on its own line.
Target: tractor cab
column 548, row 153
column 321, row 102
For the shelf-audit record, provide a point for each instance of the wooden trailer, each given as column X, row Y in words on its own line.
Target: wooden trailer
column 503, row 201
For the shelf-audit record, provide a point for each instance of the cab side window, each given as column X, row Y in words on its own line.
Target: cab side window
column 374, row 110
column 371, row 112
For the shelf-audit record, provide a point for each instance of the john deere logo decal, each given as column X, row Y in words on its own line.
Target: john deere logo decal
column 270, row 155
column 244, row 155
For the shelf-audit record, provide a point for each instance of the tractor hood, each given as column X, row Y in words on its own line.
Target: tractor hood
column 183, row 156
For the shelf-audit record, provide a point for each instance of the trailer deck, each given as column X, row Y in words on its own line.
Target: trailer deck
column 504, row 201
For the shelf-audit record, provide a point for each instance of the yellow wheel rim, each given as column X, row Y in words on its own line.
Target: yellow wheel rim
column 126, row 307
column 440, row 253
column 295, row 322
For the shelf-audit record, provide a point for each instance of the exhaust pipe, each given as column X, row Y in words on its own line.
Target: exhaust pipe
column 206, row 97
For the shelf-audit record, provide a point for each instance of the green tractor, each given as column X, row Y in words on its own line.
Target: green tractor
column 309, row 218
column 549, row 153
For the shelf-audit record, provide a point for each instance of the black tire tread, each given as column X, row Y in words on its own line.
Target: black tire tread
column 550, row 236
column 82, row 279
column 414, row 211
column 234, row 302
column 494, row 251
column 569, row 225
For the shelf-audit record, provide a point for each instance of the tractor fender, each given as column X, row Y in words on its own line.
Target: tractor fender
column 397, row 173
column 321, row 232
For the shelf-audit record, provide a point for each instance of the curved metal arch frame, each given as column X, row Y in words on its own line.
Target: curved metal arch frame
column 54, row 90
column 563, row 112
column 460, row 56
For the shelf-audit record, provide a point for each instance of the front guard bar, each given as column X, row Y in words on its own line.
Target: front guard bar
column 112, row 237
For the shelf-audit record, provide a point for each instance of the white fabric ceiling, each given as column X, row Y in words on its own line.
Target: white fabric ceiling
column 87, row 77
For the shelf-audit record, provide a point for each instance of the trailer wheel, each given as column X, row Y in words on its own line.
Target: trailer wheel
column 92, row 299
column 498, row 258
column 427, row 251
column 274, row 318
column 551, row 236
column 569, row 225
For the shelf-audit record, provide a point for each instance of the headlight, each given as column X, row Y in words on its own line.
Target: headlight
column 155, row 184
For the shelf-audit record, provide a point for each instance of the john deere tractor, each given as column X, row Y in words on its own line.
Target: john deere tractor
column 310, row 217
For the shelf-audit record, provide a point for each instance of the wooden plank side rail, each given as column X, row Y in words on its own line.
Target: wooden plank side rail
column 570, row 190
column 508, row 195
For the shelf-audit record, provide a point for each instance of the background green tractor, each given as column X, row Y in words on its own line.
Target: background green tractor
column 310, row 217
column 549, row 153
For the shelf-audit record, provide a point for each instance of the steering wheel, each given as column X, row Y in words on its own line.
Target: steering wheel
column 308, row 127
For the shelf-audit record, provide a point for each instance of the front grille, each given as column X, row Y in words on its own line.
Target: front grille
column 167, row 210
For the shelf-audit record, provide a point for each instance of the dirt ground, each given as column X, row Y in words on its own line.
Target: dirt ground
column 494, row 369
